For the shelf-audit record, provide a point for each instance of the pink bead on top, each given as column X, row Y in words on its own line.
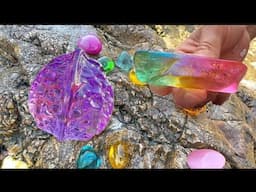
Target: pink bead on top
column 90, row 44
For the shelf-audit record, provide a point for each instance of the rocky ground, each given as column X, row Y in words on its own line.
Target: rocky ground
column 160, row 135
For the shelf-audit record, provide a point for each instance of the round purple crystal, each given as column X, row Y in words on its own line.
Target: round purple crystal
column 71, row 97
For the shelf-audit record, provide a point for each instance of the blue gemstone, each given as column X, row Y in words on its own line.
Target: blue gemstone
column 88, row 159
column 124, row 61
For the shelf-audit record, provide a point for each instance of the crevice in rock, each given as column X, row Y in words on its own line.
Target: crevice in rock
column 183, row 128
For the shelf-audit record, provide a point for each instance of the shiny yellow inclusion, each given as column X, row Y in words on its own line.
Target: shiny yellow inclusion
column 133, row 78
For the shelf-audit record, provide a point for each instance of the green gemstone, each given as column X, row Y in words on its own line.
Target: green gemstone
column 108, row 64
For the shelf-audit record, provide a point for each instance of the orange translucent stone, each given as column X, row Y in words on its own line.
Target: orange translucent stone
column 119, row 155
column 195, row 111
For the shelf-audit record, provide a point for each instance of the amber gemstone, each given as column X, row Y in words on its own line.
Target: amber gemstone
column 119, row 155
column 196, row 111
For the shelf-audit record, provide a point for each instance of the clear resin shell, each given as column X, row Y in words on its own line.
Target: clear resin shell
column 71, row 98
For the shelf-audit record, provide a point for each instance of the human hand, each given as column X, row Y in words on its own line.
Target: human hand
column 223, row 42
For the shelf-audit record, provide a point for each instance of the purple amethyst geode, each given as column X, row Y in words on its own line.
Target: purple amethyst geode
column 71, row 98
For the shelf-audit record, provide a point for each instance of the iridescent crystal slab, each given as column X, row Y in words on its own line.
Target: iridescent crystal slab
column 188, row 71
column 71, row 98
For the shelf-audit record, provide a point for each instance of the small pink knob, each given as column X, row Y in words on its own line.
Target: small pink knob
column 90, row 44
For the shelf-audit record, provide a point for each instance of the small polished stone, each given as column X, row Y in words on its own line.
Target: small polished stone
column 133, row 78
column 205, row 159
column 108, row 64
column 119, row 155
column 195, row 112
column 124, row 61
column 10, row 163
column 88, row 158
column 90, row 44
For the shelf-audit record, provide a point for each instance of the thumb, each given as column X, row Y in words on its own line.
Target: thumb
column 209, row 41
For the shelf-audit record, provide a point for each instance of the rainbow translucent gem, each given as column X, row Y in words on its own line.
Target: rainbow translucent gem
column 71, row 98
column 107, row 64
column 88, row 158
column 188, row 71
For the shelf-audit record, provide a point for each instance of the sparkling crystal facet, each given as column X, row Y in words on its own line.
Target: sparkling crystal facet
column 71, row 97
column 88, row 158
column 108, row 64
column 119, row 155
column 124, row 61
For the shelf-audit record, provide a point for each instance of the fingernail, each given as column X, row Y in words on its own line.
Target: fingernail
column 243, row 52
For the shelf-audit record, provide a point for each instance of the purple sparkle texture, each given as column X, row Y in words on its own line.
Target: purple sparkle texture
column 71, row 98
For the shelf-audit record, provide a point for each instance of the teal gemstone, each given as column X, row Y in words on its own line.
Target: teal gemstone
column 124, row 61
column 88, row 159
column 107, row 64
